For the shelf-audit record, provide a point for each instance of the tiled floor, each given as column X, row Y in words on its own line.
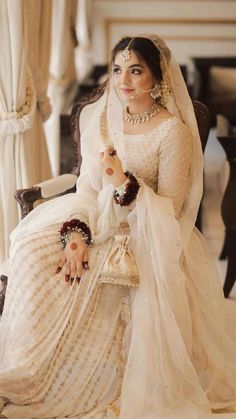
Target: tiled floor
column 215, row 176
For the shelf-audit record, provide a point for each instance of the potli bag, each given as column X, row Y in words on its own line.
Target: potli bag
column 120, row 266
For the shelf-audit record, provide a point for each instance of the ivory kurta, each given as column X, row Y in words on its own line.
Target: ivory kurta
column 97, row 351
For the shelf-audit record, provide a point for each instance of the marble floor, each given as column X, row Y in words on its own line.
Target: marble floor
column 215, row 178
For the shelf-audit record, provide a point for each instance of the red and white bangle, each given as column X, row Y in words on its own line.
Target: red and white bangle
column 125, row 194
column 75, row 225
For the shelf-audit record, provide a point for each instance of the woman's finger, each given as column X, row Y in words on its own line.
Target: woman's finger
column 67, row 272
column 108, row 152
column 113, row 153
column 61, row 263
column 85, row 265
column 85, row 260
column 73, row 271
column 79, row 269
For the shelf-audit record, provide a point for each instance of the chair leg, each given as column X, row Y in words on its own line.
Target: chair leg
column 223, row 253
column 231, row 268
column 3, row 286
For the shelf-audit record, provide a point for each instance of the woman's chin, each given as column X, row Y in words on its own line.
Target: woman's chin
column 127, row 99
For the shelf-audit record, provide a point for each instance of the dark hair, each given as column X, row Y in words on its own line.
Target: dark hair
column 145, row 50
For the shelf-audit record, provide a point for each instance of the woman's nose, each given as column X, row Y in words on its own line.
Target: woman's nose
column 125, row 78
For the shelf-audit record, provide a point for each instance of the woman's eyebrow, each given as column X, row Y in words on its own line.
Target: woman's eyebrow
column 131, row 66
column 136, row 65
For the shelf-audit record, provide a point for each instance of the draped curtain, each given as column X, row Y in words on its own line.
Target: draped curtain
column 39, row 15
column 83, row 52
column 23, row 152
column 62, row 84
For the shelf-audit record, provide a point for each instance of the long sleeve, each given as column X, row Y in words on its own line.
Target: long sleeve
column 175, row 155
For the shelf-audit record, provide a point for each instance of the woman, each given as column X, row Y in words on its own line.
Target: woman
column 125, row 320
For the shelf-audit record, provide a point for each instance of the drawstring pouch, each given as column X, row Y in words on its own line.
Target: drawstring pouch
column 120, row 267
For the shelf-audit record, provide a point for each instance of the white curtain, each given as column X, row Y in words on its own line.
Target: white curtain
column 39, row 22
column 62, row 84
column 23, row 153
column 83, row 52
column 39, row 17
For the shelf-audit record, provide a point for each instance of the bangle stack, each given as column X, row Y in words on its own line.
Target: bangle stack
column 75, row 225
column 126, row 193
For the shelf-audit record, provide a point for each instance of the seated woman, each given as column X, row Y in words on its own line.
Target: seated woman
column 114, row 308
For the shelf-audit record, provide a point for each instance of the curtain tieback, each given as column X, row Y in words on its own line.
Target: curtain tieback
column 22, row 119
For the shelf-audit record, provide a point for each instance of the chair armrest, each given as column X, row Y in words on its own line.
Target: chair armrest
column 59, row 185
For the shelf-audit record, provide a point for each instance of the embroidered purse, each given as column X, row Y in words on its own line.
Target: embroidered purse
column 120, row 266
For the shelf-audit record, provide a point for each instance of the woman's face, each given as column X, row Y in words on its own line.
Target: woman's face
column 131, row 78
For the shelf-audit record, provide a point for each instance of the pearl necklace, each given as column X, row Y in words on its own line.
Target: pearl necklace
column 141, row 117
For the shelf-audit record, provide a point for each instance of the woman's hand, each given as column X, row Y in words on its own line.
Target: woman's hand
column 74, row 258
column 111, row 167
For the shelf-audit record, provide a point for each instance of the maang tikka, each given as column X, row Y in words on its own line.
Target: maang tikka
column 125, row 54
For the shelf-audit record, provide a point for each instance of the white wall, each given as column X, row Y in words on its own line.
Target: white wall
column 190, row 27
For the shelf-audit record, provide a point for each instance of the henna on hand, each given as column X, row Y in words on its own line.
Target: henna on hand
column 109, row 171
column 73, row 246
column 112, row 153
column 85, row 265
column 67, row 278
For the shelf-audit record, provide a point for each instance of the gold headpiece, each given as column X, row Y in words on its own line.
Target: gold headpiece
column 125, row 54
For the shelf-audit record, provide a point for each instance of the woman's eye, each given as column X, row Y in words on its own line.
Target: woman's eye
column 136, row 71
column 116, row 70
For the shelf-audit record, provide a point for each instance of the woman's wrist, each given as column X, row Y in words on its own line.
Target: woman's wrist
column 119, row 181
column 75, row 226
column 127, row 192
column 75, row 236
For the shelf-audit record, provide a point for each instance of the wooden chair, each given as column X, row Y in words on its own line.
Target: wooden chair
column 66, row 183
column 204, row 124
column 227, row 138
column 221, row 102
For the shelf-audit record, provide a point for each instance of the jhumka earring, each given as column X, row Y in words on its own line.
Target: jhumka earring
column 155, row 92
column 125, row 54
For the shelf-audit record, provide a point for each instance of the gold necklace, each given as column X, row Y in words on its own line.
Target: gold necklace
column 141, row 117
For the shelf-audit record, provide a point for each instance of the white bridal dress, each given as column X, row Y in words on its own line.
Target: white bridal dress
column 106, row 351
column 91, row 351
